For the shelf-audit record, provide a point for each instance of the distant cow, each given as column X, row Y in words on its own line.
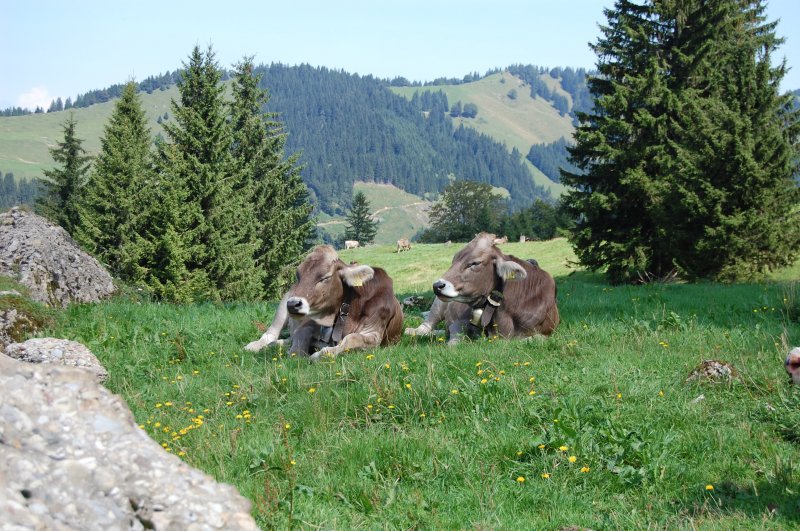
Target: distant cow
column 336, row 307
column 499, row 241
column 351, row 244
column 403, row 245
column 486, row 292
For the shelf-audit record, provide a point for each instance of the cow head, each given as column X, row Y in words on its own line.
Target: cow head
column 792, row 364
column 321, row 281
column 475, row 272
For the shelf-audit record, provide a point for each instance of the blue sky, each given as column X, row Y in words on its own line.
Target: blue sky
column 56, row 48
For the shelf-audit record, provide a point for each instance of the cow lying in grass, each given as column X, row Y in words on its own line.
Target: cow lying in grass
column 486, row 292
column 335, row 307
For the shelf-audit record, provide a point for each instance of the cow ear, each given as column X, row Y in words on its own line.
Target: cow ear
column 356, row 275
column 509, row 270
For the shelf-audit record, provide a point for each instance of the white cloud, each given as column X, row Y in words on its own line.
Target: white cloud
column 35, row 97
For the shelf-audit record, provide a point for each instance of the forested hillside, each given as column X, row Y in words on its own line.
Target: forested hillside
column 352, row 128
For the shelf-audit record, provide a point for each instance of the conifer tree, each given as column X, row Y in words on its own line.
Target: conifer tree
column 60, row 195
column 277, row 195
column 197, row 157
column 360, row 226
column 688, row 146
column 112, row 198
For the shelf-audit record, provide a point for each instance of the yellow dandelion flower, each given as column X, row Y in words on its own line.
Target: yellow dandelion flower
column 370, row 356
column 422, row 415
column 584, row 469
column 532, row 379
column 167, row 404
column 159, row 405
column 519, row 454
column 388, row 365
column 181, row 453
column 531, row 392
column 293, row 462
column 479, row 364
column 454, row 392
column 195, row 372
column 484, row 381
column 369, row 406
column 540, row 447
column 391, row 406
column 572, row 459
column 287, row 426
column 563, row 448
column 521, row 479
column 709, row 487
column 545, row 475
column 236, row 386
column 312, row 390
column 619, row 395
column 502, row 373
column 661, row 393
column 179, row 377
column 141, row 426
column 408, row 386
column 157, row 425
column 228, row 403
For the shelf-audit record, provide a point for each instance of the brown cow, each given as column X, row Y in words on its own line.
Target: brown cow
column 488, row 292
column 792, row 364
column 351, row 244
column 336, row 307
column 403, row 245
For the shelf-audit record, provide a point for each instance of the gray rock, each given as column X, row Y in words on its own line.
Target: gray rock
column 43, row 257
column 72, row 457
column 58, row 351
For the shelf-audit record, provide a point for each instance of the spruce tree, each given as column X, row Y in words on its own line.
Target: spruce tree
column 275, row 191
column 688, row 145
column 112, row 198
column 60, row 194
column 360, row 226
column 197, row 156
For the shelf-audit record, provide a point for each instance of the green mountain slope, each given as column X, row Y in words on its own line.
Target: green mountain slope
column 25, row 140
column 516, row 122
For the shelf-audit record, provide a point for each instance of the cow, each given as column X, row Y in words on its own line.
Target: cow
column 403, row 245
column 792, row 364
column 500, row 241
column 486, row 292
column 351, row 244
column 335, row 307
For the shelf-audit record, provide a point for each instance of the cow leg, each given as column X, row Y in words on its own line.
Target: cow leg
column 353, row 341
column 435, row 316
column 274, row 330
column 302, row 337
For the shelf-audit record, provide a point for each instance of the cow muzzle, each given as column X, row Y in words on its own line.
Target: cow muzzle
column 444, row 289
column 297, row 306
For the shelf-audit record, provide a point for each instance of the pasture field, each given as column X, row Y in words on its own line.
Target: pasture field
column 594, row 427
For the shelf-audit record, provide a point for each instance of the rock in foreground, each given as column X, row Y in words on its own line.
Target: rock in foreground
column 72, row 457
column 43, row 257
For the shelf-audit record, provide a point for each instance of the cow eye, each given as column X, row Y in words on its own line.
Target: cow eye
column 325, row 278
column 474, row 265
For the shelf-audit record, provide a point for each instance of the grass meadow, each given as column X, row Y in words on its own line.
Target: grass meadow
column 594, row 427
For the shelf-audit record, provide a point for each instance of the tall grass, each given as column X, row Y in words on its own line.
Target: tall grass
column 594, row 427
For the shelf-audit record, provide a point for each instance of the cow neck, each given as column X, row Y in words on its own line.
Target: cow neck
column 484, row 309
column 341, row 318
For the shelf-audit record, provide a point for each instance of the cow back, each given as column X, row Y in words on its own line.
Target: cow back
column 531, row 302
column 373, row 306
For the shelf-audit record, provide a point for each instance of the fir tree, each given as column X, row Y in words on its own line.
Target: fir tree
column 112, row 197
column 360, row 226
column 60, row 195
column 688, row 146
column 218, row 243
column 278, row 196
